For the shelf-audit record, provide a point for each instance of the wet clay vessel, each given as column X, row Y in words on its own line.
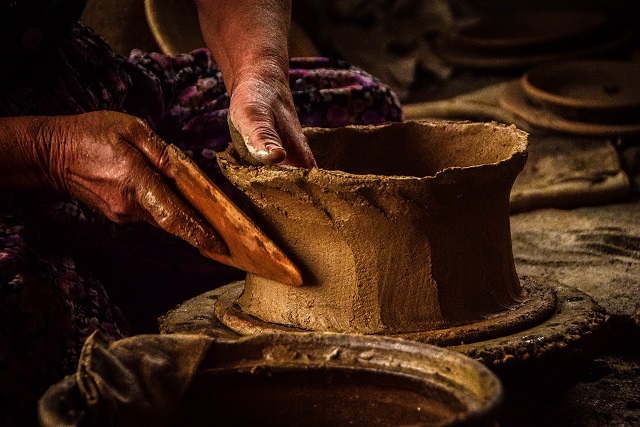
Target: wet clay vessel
column 404, row 232
column 403, row 228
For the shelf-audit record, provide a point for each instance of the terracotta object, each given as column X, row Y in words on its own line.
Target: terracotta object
column 466, row 56
column 315, row 379
column 590, row 90
column 515, row 99
column 588, row 84
column 403, row 228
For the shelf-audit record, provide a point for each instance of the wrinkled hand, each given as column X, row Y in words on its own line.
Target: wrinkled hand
column 114, row 162
column 262, row 118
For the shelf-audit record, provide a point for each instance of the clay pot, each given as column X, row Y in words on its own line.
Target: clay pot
column 316, row 379
column 403, row 227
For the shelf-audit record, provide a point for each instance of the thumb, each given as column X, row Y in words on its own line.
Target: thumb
column 258, row 146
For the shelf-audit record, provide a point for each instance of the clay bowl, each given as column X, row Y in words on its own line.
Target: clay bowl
column 174, row 25
column 311, row 379
column 404, row 227
column 588, row 90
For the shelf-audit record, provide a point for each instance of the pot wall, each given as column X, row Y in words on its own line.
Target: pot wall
column 404, row 227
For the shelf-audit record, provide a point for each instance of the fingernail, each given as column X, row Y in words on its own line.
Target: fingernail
column 276, row 153
column 271, row 147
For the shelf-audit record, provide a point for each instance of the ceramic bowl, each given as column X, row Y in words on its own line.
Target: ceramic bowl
column 562, row 119
column 312, row 379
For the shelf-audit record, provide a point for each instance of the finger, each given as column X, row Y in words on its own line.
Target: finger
column 162, row 207
column 166, row 210
column 145, row 140
column 254, row 137
column 294, row 142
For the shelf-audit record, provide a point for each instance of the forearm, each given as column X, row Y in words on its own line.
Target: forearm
column 25, row 153
column 244, row 33
column 248, row 39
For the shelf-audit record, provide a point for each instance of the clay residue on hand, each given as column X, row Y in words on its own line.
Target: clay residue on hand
column 404, row 227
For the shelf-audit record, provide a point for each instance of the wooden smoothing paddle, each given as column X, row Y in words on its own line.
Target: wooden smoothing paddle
column 249, row 248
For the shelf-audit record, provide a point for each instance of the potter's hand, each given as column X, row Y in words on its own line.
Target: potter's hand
column 263, row 122
column 115, row 162
column 248, row 39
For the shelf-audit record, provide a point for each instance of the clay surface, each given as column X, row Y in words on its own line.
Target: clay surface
column 402, row 228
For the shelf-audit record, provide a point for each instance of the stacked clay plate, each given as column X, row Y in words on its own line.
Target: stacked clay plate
column 585, row 97
column 524, row 38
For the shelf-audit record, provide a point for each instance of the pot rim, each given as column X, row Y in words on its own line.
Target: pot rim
column 518, row 155
column 438, row 367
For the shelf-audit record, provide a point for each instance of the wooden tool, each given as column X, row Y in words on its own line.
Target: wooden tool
column 249, row 248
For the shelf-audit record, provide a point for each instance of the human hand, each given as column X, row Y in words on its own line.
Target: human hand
column 263, row 122
column 114, row 162
column 248, row 39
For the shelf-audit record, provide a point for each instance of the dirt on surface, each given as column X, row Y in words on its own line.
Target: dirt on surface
column 595, row 249
column 605, row 393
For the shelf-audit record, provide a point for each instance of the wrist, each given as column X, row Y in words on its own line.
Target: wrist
column 247, row 37
column 49, row 150
column 268, row 70
column 26, row 153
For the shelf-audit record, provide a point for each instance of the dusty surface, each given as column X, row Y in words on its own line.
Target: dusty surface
column 406, row 242
column 595, row 249
column 606, row 393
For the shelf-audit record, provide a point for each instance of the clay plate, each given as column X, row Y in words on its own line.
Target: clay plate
column 538, row 306
column 529, row 28
column 515, row 100
column 599, row 85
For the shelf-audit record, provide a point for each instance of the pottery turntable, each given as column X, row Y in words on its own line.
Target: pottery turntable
column 403, row 231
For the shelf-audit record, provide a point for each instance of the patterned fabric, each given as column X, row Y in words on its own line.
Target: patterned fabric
column 55, row 253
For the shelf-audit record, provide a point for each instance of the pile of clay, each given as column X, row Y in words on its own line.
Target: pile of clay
column 403, row 227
